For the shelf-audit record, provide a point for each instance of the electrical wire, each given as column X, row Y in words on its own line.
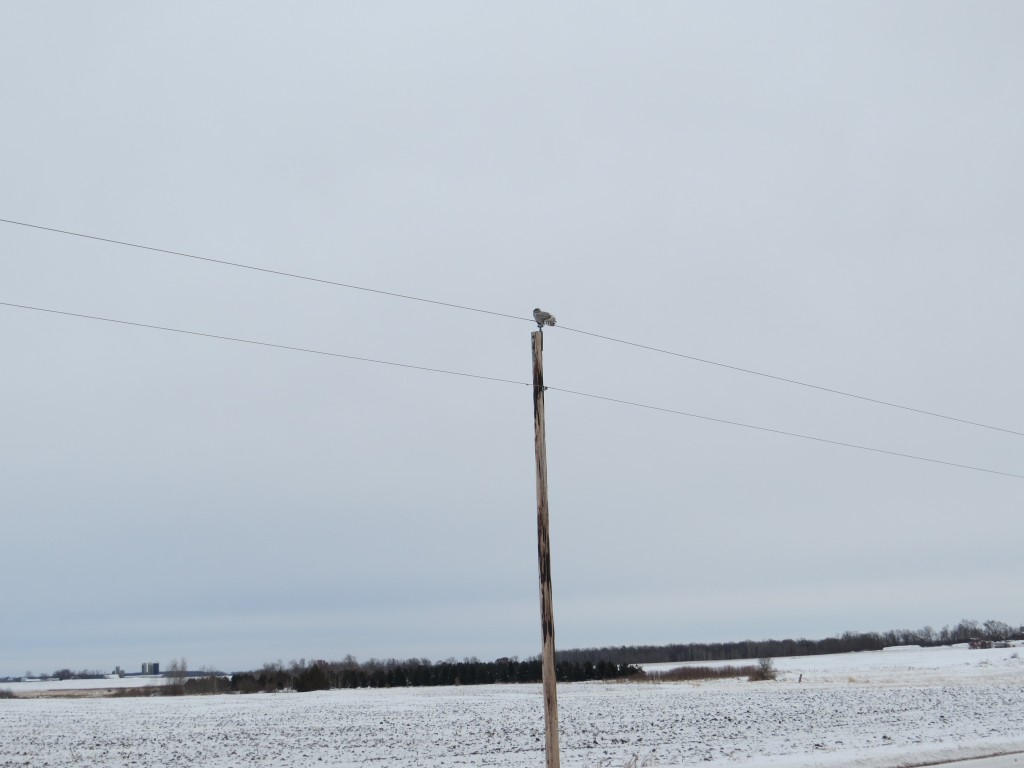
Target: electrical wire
column 263, row 343
column 782, row 432
column 265, row 270
column 408, row 297
column 511, row 381
column 793, row 381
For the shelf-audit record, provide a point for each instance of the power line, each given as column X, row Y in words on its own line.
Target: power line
column 277, row 272
column 510, row 381
column 782, row 432
column 408, row 297
column 264, row 344
column 793, row 381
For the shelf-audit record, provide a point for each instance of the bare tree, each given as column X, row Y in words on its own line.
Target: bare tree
column 177, row 673
column 765, row 670
column 997, row 630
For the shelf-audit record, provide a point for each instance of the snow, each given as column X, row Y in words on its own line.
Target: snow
column 111, row 681
column 869, row 710
column 907, row 665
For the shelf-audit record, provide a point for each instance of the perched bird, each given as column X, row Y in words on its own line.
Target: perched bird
column 543, row 318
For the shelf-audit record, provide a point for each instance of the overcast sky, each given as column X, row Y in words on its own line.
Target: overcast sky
column 824, row 192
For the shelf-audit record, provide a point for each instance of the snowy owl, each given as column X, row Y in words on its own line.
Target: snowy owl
column 543, row 318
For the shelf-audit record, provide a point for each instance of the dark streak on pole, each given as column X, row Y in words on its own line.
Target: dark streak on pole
column 547, row 614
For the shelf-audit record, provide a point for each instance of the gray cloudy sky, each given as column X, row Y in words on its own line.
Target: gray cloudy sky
column 827, row 192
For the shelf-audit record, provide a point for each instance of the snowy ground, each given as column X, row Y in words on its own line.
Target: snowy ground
column 870, row 710
column 102, row 684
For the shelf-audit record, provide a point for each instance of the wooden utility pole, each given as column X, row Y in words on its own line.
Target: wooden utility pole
column 547, row 613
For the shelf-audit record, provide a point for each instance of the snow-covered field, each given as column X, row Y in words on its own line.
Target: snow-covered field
column 135, row 681
column 872, row 710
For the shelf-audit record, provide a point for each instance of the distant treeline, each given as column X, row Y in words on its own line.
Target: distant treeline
column 393, row 673
column 574, row 665
column 966, row 630
column 591, row 663
column 60, row 674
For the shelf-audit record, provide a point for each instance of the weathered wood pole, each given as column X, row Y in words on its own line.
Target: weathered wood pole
column 547, row 613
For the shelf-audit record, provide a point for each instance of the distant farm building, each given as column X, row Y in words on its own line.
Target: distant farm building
column 151, row 667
